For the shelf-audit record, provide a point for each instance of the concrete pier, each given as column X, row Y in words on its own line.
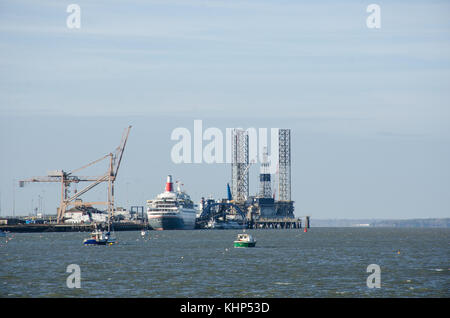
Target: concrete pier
column 31, row 228
column 276, row 223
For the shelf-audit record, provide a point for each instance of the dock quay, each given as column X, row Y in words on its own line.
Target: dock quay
column 276, row 223
column 33, row 228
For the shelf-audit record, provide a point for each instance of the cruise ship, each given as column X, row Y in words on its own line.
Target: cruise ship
column 171, row 210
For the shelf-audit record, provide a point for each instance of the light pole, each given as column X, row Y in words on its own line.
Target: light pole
column 43, row 203
column 39, row 204
column 128, row 202
column 14, row 198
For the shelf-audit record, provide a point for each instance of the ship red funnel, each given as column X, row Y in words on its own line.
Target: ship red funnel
column 169, row 184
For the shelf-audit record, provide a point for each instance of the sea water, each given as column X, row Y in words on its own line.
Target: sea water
column 324, row 262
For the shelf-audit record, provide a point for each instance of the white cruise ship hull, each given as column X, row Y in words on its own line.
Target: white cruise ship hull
column 182, row 220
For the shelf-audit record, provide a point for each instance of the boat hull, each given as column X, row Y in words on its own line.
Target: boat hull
column 99, row 242
column 244, row 244
column 172, row 222
column 225, row 225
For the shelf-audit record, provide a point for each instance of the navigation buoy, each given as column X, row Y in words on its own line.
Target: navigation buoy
column 305, row 230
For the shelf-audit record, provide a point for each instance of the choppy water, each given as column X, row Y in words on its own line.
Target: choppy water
column 325, row 262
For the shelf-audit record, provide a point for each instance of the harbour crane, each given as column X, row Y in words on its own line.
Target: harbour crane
column 67, row 178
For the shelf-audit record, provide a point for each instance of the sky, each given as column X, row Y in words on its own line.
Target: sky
column 369, row 109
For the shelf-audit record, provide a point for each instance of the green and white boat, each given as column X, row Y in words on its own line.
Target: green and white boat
column 244, row 240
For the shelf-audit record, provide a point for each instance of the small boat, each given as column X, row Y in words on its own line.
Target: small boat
column 244, row 240
column 100, row 238
column 143, row 233
column 223, row 225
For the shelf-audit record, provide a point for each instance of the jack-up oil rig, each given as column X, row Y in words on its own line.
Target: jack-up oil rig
column 262, row 210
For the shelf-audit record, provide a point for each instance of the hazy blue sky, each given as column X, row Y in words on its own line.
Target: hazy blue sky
column 369, row 109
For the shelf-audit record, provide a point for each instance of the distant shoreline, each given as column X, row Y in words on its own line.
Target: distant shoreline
column 397, row 223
